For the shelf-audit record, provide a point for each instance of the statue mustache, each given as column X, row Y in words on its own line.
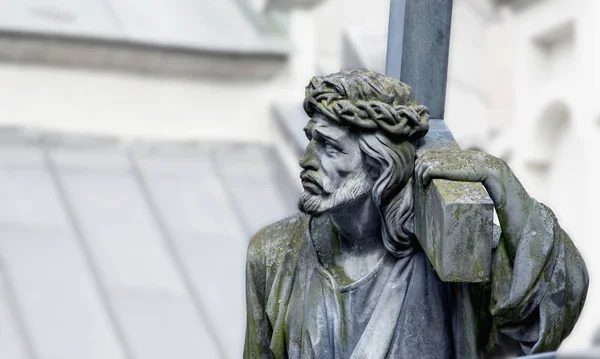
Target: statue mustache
column 323, row 184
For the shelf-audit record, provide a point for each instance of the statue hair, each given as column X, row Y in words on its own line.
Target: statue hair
column 393, row 191
column 390, row 122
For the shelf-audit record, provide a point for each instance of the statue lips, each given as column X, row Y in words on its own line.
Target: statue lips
column 311, row 185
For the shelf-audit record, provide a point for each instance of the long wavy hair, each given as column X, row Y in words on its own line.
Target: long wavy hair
column 390, row 122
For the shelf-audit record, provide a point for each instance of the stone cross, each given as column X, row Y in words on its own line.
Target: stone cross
column 453, row 220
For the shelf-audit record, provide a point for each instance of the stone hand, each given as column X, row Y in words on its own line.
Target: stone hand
column 458, row 165
column 511, row 200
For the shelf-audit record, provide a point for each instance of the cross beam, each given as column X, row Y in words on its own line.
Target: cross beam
column 453, row 220
column 418, row 47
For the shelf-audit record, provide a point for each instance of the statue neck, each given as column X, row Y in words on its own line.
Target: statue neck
column 358, row 225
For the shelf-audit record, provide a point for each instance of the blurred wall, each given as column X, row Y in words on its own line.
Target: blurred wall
column 550, row 137
column 467, row 92
column 133, row 105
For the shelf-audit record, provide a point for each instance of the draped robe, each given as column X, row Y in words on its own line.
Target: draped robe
column 401, row 309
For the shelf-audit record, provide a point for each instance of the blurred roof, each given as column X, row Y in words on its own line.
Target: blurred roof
column 39, row 29
column 112, row 250
column 222, row 25
column 289, row 4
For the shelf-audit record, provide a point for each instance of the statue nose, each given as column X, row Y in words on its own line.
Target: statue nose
column 308, row 160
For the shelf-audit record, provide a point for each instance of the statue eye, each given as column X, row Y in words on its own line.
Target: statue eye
column 331, row 149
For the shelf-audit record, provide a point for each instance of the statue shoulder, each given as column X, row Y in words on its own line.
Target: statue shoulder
column 270, row 242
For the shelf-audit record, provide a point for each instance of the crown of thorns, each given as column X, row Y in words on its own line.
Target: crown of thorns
column 368, row 100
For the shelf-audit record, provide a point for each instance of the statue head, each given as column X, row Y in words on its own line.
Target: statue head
column 362, row 135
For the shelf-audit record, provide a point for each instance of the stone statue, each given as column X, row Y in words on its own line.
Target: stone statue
column 347, row 277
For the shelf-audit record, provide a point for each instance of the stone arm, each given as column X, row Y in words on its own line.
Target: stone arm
column 539, row 280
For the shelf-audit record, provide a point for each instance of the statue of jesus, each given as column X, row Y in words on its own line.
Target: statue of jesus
column 346, row 278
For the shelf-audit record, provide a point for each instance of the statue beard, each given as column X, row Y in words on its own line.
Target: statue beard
column 346, row 194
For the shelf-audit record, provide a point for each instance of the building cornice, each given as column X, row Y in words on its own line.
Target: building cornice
column 138, row 57
column 516, row 4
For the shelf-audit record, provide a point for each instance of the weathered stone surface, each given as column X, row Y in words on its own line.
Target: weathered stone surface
column 418, row 47
column 455, row 224
column 454, row 220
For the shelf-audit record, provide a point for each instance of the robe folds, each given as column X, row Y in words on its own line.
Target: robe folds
column 295, row 308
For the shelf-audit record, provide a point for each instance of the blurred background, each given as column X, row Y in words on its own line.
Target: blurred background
column 142, row 143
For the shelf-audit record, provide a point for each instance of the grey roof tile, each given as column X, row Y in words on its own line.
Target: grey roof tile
column 159, row 325
column 28, row 198
column 91, row 17
column 190, row 195
column 206, row 232
column 216, row 266
column 252, row 179
column 12, row 345
column 131, row 254
column 208, row 25
column 118, row 228
column 52, row 281
column 144, row 243
column 60, row 304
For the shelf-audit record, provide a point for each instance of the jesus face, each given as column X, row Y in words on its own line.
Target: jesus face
column 334, row 174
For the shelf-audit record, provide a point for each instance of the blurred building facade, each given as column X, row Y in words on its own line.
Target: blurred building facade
column 135, row 164
column 551, row 134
